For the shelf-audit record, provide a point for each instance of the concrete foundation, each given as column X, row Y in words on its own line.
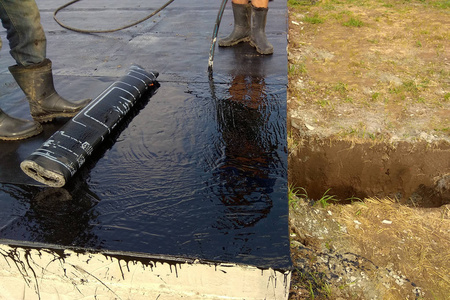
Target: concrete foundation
column 44, row 273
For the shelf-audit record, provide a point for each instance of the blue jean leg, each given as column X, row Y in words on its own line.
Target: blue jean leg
column 25, row 34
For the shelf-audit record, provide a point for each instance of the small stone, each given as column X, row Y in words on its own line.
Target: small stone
column 309, row 127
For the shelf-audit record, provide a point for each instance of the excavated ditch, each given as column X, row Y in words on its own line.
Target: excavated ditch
column 415, row 174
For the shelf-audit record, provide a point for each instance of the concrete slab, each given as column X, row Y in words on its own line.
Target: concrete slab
column 199, row 174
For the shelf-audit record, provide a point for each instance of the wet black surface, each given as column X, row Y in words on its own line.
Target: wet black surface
column 199, row 171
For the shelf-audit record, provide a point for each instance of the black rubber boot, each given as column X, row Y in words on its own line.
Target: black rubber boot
column 242, row 21
column 12, row 129
column 258, row 37
column 45, row 103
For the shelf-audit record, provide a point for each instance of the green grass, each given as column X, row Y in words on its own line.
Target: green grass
column 340, row 87
column 323, row 102
column 296, row 69
column 444, row 129
column 295, row 193
column 407, row 87
column 354, row 22
column 359, row 131
column 348, row 100
column 314, row 19
column 443, row 4
column 334, row 4
column 296, row 3
column 316, row 284
column 446, row 97
column 375, row 96
column 293, row 3
column 325, row 200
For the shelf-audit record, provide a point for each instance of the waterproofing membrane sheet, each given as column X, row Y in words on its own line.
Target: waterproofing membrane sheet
column 199, row 170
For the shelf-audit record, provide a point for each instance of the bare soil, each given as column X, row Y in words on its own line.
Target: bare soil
column 369, row 149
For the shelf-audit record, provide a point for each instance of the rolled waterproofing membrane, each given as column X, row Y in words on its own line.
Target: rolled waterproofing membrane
column 59, row 158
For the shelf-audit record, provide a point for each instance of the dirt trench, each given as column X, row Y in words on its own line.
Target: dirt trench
column 412, row 174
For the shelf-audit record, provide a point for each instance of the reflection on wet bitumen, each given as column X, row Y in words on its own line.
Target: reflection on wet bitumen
column 243, row 167
column 195, row 174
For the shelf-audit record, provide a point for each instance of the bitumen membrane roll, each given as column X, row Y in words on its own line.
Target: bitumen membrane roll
column 59, row 158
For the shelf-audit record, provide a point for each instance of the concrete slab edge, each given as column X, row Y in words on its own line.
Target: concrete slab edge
column 44, row 273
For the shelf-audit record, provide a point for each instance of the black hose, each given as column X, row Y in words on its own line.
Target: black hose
column 109, row 30
column 214, row 35
column 213, row 39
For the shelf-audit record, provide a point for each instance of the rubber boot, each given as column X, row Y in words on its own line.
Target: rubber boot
column 45, row 103
column 12, row 129
column 241, row 30
column 258, row 37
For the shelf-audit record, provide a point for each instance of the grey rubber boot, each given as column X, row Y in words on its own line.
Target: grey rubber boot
column 12, row 129
column 241, row 30
column 258, row 37
column 45, row 103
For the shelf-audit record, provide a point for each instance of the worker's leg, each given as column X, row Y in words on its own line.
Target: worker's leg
column 27, row 41
column 258, row 37
column 242, row 24
column 25, row 34
column 33, row 71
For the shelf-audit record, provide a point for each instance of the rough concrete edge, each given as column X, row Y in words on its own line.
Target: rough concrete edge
column 56, row 273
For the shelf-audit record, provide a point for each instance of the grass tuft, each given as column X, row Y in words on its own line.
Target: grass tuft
column 325, row 200
column 314, row 19
column 296, row 69
column 294, row 195
column 354, row 22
